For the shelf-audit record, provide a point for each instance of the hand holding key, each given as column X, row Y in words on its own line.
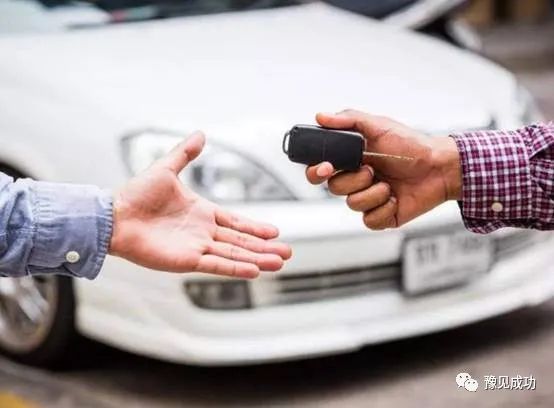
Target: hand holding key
column 390, row 192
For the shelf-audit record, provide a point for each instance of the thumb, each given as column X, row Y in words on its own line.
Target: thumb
column 370, row 126
column 348, row 119
column 185, row 152
column 336, row 121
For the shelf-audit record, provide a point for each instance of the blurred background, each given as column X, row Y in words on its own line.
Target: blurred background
column 352, row 321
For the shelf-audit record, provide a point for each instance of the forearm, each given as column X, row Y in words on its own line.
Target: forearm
column 53, row 228
column 507, row 178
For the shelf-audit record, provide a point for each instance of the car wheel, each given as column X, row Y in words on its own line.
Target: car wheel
column 37, row 317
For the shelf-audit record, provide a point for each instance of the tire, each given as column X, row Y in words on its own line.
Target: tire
column 37, row 317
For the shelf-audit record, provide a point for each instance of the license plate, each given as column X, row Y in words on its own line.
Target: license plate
column 441, row 261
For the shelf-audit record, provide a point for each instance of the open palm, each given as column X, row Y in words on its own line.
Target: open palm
column 161, row 224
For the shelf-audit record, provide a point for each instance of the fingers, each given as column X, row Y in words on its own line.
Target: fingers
column 370, row 198
column 349, row 182
column 264, row 262
column 252, row 243
column 382, row 217
column 319, row 173
column 225, row 267
column 183, row 153
column 243, row 224
column 250, row 236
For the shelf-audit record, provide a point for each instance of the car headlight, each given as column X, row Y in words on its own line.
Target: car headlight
column 527, row 110
column 219, row 174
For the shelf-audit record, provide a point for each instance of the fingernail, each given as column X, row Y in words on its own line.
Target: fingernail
column 328, row 113
column 393, row 200
column 321, row 171
column 370, row 169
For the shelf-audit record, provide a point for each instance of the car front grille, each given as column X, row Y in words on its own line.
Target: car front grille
column 324, row 285
column 330, row 284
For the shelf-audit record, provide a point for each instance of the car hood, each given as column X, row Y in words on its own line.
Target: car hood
column 251, row 75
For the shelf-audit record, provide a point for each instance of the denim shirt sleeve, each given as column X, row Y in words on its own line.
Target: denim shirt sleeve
column 41, row 223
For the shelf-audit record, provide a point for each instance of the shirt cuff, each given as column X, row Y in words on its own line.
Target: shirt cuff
column 497, row 187
column 72, row 228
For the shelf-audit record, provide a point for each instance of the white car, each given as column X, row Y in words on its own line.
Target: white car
column 97, row 103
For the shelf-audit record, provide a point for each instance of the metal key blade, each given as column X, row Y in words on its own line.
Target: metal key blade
column 388, row 156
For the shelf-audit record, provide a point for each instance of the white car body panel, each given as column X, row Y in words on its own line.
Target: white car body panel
column 68, row 98
column 141, row 325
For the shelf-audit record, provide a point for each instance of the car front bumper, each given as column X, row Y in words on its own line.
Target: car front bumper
column 149, row 313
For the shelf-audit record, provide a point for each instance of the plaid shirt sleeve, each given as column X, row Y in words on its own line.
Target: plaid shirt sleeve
column 508, row 178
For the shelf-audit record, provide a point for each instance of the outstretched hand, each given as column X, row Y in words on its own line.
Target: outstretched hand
column 161, row 224
column 391, row 192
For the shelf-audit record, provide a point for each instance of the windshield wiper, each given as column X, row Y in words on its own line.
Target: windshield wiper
column 151, row 12
column 189, row 8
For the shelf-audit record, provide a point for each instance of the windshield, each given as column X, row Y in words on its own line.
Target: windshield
column 206, row 5
column 18, row 16
column 169, row 8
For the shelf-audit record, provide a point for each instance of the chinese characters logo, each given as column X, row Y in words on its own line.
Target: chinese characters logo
column 504, row 382
column 493, row 382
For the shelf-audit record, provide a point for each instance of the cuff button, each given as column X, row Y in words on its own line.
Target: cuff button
column 497, row 207
column 72, row 257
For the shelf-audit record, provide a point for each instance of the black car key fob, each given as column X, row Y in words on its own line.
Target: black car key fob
column 311, row 145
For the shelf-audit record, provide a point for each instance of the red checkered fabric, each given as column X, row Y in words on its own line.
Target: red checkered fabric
column 508, row 178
